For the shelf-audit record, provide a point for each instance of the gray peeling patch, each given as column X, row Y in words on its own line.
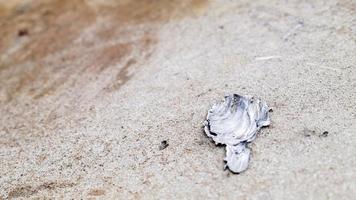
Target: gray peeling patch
column 235, row 123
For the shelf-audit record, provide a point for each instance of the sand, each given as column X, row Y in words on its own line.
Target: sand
column 90, row 89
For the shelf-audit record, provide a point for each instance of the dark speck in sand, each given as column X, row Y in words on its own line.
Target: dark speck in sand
column 324, row 134
column 22, row 32
column 164, row 144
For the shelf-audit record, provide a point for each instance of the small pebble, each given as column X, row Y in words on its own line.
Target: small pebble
column 23, row 32
column 164, row 144
column 324, row 134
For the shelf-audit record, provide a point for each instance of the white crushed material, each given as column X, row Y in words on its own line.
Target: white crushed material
column 235, row 123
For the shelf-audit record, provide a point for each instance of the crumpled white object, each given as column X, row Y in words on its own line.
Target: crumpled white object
column 235, row 122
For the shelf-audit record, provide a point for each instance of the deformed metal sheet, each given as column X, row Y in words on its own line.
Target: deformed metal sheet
column 235, row 122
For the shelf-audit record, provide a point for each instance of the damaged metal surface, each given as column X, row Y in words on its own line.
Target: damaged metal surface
column 235, row 122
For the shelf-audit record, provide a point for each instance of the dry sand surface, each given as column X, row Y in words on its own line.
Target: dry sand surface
column 90, row 88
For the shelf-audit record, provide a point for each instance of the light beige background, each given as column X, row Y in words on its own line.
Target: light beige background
column 88, row 90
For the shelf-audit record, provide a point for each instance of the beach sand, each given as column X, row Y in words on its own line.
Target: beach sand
column 89, row 89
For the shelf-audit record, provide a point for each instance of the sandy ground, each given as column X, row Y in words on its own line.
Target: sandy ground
column 89, row 89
